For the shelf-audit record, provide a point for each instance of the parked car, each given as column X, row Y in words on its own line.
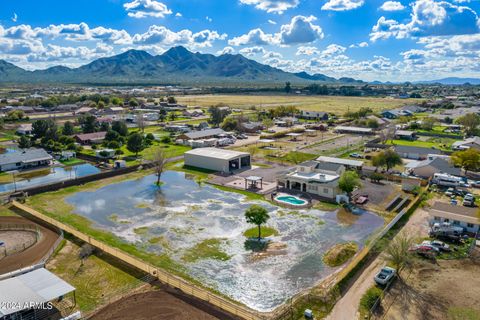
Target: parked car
column 425, row 250
column 450, row 192
column 442, row 246
column 475, row 184
column 356, row 155
column 469, row 200
column 385, row 275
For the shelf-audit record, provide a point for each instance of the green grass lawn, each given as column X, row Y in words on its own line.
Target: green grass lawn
column 207, row 249
column 432, row 143
column 265, row 232
column 72, row 162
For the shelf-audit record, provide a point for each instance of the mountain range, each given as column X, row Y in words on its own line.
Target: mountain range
column 177, row 65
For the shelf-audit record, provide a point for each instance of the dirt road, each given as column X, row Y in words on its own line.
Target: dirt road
column 347, row 306
column 33, row 254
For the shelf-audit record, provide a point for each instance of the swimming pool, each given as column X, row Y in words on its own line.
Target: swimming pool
column 291, row 200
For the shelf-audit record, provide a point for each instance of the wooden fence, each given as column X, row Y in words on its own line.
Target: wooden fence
column 172, row 280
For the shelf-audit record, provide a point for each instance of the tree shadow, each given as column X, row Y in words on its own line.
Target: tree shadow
column 256, row 245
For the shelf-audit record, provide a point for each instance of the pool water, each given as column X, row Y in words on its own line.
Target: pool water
column 182, row 213
column 291, row 200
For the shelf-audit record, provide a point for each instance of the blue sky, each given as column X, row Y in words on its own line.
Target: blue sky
column 366, row 39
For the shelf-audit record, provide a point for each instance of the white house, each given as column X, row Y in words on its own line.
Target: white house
column 217, row 159
column 473, row 142
column 459, row 216
column 314, row 177
column 24, row 159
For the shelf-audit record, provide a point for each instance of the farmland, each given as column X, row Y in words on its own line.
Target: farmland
column 338, row 105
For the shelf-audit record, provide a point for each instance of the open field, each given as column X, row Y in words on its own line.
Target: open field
column 436, row 290
column 97, row 279
column 338, row 105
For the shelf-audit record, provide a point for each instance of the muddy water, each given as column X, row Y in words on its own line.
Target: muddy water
column 182, row 213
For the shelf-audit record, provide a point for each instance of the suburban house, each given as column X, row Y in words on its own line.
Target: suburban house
column 396, row 113
column 459, row 216
column 90, row 138
column 353, row 130
column 405, row 135
column 427, row 168
column 25, row 129
column 85, row 110
column 193, row 113
column 113, row 110
column 286, row 121
column 348, row 163
column 24, row 159
column 251, row 127
column 217, row 159
column 314, row 115
column 473, row 142
column 415, row 153
column 314, row 177
column 200, row 135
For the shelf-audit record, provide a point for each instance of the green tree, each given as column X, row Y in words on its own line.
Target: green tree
column 428, row 123
column 88, row 123
column 44, row 128
column 68, row 128
column 470, row 123
column 387, row 158
column 135, row 143
column 24, row 142
column 163, row 115
column 257, row 215
column 372, row 123
column 133, row 102
column 288, row 87
column 171, row 99
column 230, row 124
column 348, row 181
column 172, row 115
column 468, row 159
column 217, row 114
column 120, row 127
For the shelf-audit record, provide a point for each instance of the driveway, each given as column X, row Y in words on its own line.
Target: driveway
column 347, row 306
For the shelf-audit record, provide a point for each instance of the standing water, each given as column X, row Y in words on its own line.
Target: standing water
column 183, row 213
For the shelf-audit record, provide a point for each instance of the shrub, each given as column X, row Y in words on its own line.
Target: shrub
column 370, row 297
column 166, row 139
column 340, row 253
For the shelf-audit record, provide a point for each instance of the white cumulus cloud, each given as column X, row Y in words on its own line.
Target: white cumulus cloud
column 342, row 5
column 272, row 6
column 146, row 8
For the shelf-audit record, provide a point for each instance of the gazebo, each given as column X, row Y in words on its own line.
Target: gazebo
column 252, row 182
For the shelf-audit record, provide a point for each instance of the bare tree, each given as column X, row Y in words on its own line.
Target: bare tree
column 141, row 122
column 159, row 158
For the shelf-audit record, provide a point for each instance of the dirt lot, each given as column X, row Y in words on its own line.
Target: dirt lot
column 163, row 304
column 33, row 254
column 16, row 241
column 446, row 289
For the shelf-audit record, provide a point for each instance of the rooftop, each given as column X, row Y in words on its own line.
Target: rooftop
column 38, row 286
column 455, row 212
column 347, row 162
column 26, row 155
column 217, row 153
column 204, row 133
column 356, row 129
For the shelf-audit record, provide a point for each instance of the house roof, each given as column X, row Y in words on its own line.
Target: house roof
column 37, row 286
column 473, row 140
column 91, row 136
column 441, row 165
column 204, row 133
column 404, row 133
column 216, row 153
column 347, row 162
column 354, row 129
column 460, row 213
column 24, row 156
column 419, row 150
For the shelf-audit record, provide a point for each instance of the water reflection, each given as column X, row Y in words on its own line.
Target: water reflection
column 48, row 175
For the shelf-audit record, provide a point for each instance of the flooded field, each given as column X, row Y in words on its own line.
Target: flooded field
column 33, row 178
column 202, row 228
